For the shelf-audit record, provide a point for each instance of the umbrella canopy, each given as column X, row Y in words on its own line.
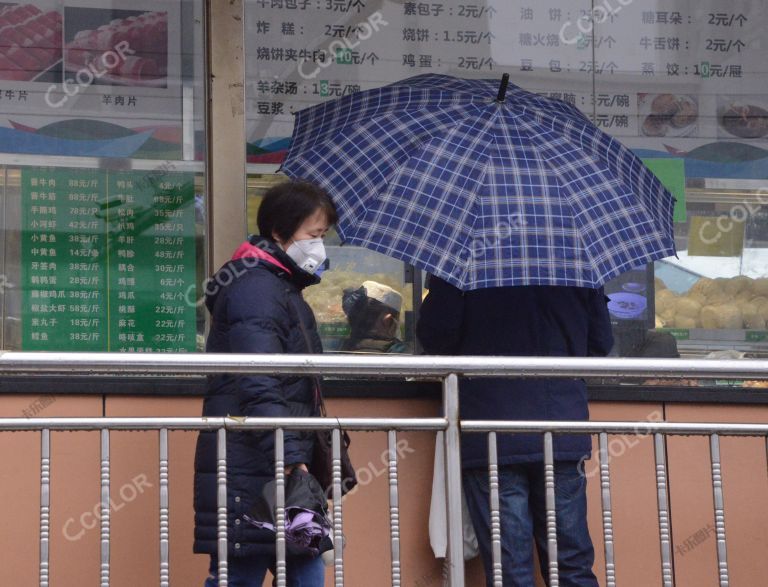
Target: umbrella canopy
column 480, row 188
column 307, row 527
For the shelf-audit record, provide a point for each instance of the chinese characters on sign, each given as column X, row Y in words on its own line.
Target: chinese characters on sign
column 640, row 71
column 106, row 260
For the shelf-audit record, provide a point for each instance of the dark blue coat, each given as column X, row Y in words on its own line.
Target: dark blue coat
column 255, row 302
column 542, row 321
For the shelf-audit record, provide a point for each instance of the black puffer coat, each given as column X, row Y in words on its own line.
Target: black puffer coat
column 526, row 321
column 255, row 302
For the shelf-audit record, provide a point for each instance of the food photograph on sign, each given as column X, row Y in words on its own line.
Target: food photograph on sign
column 30, row 42
column 743, row 117
column 668, row 115
column 121, row 47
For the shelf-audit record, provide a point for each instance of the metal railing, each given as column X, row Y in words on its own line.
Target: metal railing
column 603, row 429
column 445, row 368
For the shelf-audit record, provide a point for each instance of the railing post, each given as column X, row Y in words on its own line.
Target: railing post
column 717, row 488
column 338, row 520
column 280, row 576
column 221, row 506
column 493, row 476
column 551, row 512
column 605, row 486
column 453, row 480
column 667, row 577
column 105, row 513
column 394, row 507
column 45, row 504
column 164, row 511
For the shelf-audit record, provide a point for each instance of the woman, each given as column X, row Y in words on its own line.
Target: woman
column 256, row 307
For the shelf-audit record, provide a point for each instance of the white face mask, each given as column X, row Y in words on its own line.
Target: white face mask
column 309, row 254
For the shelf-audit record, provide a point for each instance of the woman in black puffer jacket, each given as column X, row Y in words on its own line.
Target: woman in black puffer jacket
column 256, row 304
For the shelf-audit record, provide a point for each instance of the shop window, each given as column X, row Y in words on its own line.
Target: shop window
column 684, row 88
column 101, row 176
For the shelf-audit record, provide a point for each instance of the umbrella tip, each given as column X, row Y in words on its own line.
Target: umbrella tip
column 503, row 88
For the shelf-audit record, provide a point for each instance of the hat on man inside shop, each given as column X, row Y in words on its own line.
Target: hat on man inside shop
column 384, row 294
column 355, row 302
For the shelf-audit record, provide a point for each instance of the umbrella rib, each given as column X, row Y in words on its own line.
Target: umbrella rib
column 524, row 127
column 534, row 130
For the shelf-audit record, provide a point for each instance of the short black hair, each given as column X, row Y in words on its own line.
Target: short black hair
column 287, row 205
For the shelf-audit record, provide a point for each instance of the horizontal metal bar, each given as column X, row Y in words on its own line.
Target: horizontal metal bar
column 373, row 424
column 12, row 362
column 368, row 424
column 644, row 428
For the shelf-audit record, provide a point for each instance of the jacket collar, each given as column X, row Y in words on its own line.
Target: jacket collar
column 248, row 251
column 276, row 260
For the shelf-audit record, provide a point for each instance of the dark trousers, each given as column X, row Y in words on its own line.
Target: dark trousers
column 523, row 521
column 250, row 571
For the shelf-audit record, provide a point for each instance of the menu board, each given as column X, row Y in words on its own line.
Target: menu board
column 683, row 81
column 108, row 260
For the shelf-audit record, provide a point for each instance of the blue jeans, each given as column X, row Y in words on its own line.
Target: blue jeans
column 523, row 518
column 250, row 571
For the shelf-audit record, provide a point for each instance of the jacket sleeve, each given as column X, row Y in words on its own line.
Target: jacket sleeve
column 258, row 322
column 600, row 340
column 440, row 318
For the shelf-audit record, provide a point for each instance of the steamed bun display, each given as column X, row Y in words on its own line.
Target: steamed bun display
column 736, row 302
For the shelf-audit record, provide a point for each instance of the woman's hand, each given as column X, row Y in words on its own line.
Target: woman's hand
column 289, row 468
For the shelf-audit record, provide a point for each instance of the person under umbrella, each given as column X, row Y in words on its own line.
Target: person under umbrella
column 543, row 321
column 521, row 209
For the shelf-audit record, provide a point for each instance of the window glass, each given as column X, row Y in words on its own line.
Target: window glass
column 683, row 86
column 101, row 160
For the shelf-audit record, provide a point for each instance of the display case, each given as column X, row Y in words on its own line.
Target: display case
column 713, row 298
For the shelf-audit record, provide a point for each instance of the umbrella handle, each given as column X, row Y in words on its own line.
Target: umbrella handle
column 503, row 87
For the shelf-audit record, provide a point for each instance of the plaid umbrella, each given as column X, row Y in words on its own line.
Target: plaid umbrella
column 482, row 186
